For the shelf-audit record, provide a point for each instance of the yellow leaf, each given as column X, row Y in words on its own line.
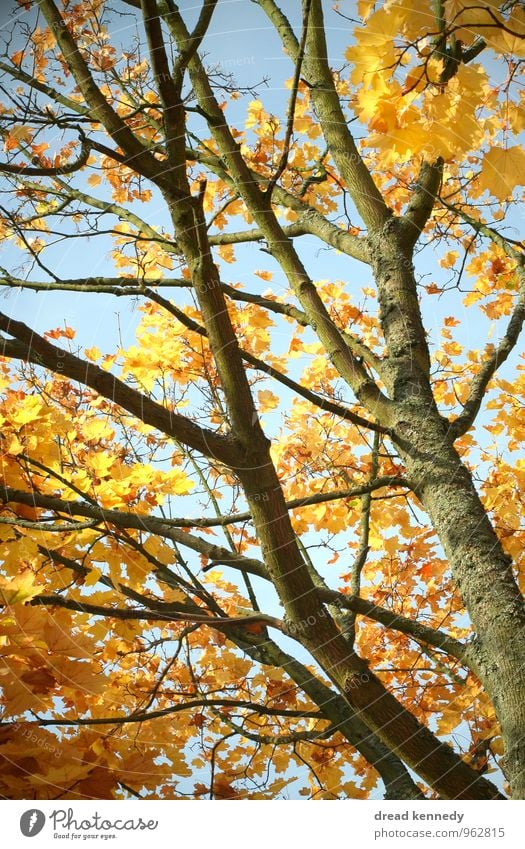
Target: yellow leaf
column 364, row 7
column 449, row 259
column 91, row 579
column 226, row 253
column 516, row 117
column 264, row 275
column 19, row 589
column 391, row 545
column 267, row 400
column 13, row 445
column 18, row 135
column 108, row 361
column 98, row 429
column 94, row 179
column 503, row 169
column 18, row 57
column 28, row 410
column 100, row 463
column 93, row 353
column 179, row 483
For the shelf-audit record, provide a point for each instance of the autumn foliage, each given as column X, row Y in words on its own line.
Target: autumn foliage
column 272, row 546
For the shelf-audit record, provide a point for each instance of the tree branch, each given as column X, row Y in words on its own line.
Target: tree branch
column 481, row 380
column 364, row 540
column 121, row 519
column 30, row 346
column 283, row 161
column 278, row 739
column 309, row 218
column 323, row 403
column 510, row 337
column 396, row 622
column 107, row 207
column 173, row 709
column 126, row 286
column 43, row 87
column 70, row 168
column 170, row 614
column 170, row 94
column 139, row 156
column 424, row 197
column 318, row 76
column 196, row 37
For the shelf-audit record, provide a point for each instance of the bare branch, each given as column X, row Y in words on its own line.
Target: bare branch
column 140, row 522
column 126, row 286
column 278, row 739
column 309, row 219
column 173, row 115
column 196, row 37
column 363, row 386
column 43, row 87
column 364, row 540
column 491, row 364
column 318, row 76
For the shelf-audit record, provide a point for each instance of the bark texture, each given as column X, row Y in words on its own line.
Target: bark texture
column 482, row 571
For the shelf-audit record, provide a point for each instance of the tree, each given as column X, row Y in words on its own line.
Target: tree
column 319, row 428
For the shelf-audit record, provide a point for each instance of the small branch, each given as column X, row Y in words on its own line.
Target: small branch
column 130, row 286
column 158, row 714
column 140, row 522
column 143, row 160
column 130, row 790
column 486, row 231
column 277, row 739
column 121, row 613
column 356, row 492
column 396, row 622
column 67, row 191
column 30, row 171
column 309, row 218
column 364, row 540
column 293, row 100
column 169, row 91
column 510, row 338
column 164, row 526
column 239, row 237
column 43, row 87
column 170, row 615
column 490, row 366
column 119, row 286
column 327, row 104
column 195, row 40
column 424, row 197
column 44, row 526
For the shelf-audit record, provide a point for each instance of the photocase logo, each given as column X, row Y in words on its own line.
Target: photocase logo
column 32, row 822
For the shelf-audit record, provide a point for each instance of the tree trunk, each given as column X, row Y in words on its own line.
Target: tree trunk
column 483, row 575
column 480, row 568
